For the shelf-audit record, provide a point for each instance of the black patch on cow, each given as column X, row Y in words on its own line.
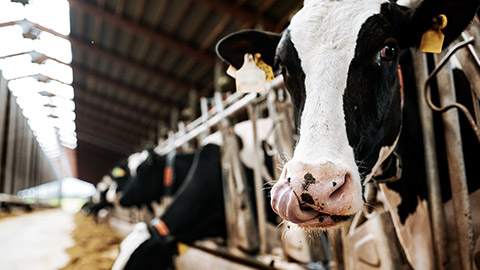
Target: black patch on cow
column 307, row 198
column 289, row 63
column 411, row 145
column 371, row 101
column 308, row 181
column 334, row 183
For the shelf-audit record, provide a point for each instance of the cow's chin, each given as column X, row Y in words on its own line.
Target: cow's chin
column 323, row 221
column 287, row 205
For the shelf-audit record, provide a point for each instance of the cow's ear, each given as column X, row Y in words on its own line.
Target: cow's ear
column 233, row 47
column 459, row 14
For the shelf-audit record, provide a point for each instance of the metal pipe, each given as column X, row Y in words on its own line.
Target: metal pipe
column 445, row 107
column 435, row 205
column 215, row 119
column 257, row 173
column 458, row 181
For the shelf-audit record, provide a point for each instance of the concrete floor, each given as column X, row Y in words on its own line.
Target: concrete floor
column 36, row 241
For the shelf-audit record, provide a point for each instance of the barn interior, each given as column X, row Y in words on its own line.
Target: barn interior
column 91, row 89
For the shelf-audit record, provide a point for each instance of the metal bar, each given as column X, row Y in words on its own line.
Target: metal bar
column 3, row 126
column 458, row 181
column 435, row 205
column 215, row 119
column 441, row 63
column 257, row 173
column 10, row 154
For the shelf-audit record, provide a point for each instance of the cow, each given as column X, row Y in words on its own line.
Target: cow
column 197, row 210
column 339, row 60
column 149, row 184
column 111, row 184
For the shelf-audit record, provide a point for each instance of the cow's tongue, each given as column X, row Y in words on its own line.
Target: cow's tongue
column 285, row 203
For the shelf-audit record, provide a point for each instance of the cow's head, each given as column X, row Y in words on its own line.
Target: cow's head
column 147, row 185
column 339, row 60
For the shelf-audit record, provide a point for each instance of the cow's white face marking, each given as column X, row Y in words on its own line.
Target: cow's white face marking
column 324, row 34
column 136, row 159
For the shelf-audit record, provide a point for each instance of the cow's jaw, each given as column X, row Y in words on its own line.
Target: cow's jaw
column 324, row 34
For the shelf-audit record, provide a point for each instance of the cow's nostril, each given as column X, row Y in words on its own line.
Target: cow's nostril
column 339, row 187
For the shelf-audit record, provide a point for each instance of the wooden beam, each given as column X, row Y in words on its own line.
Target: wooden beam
column 131, row 63
column 131, row 90
column 92, row 111
column 108, row 120
column 87, row 96
column 162, row 7
column 138, row 29
column 113, row 132
column 239, row 13
column 104, row 143
column 180, row 15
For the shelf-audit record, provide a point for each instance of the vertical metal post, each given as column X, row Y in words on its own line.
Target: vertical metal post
column 218, row 76
column 173, row 118
column 261, row 210
column 9, row 168
column 204, row 111
column 192, row 104
column 456, row 166
column 435, row 205
column 3, row 127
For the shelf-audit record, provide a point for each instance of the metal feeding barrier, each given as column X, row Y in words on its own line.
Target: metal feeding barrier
column 374, row 229
column 244, row 231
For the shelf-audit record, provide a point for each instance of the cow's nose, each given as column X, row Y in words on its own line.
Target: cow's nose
column 326, row 191
column 304, row 191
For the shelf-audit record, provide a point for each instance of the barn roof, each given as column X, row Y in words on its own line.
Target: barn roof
column 135, row 62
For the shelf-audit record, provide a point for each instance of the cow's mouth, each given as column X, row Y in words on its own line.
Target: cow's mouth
column 288, row 206
column 324, row 220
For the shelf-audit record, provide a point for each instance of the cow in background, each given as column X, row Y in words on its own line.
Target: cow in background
column 108, row 188
column 197, row 210
column 155, row 178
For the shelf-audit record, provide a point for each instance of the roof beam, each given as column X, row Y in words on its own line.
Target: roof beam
column 107, row 120
column 138, row 29
column 104, row 143
column 239, row 13
column 113, row 132
column 130, row 63
column 85, row 96
column 94, row 112
column 131, row 90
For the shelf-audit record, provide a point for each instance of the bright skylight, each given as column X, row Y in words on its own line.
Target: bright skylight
column 36, row 65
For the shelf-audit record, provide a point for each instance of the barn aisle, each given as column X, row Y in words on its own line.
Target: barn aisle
column 36, row 241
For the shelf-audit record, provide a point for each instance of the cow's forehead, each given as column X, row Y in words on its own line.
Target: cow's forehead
column 329, row 28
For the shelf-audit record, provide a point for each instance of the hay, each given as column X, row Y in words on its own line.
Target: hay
column 96, row 245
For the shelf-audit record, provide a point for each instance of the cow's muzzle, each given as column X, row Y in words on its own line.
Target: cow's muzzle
column 319, row 196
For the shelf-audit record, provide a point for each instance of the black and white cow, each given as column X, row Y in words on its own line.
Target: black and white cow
column 197, row 210
column 149, row 184
column 107, row 189
column 339, row 60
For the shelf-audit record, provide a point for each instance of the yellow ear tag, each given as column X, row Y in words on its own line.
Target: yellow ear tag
column 250, row 78
column 182, row 248
column 118, row 172
column 265, row 67
column 432, row 40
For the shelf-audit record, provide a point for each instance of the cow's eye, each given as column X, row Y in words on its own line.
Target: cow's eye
column 388, row 53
